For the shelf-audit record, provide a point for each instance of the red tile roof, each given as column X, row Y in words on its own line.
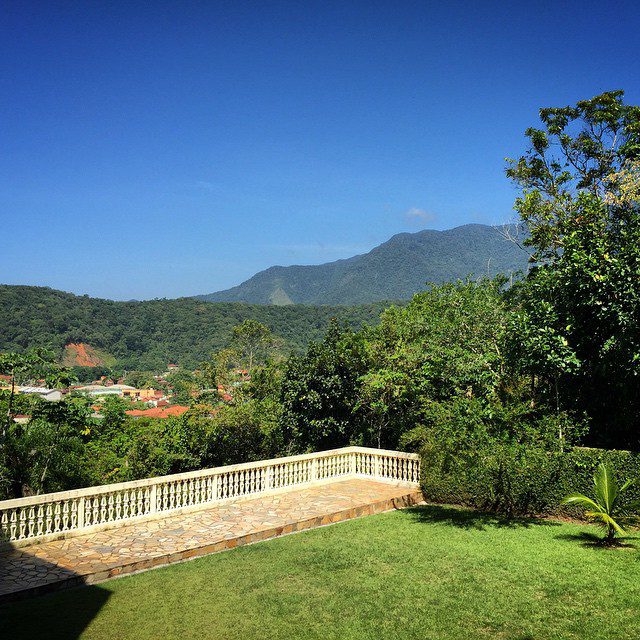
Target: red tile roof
column 158, row 412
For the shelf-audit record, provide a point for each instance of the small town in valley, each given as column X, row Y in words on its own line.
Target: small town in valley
column 147, row 402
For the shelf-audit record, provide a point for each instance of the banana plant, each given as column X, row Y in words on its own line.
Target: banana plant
column 604, row 508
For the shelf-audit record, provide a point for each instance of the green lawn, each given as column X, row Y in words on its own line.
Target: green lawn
column 428, row 573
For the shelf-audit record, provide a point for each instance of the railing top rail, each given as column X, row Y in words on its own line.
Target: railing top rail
column 385, row 452
column 199, row 473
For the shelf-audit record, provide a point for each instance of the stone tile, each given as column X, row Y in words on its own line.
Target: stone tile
column 90, row 558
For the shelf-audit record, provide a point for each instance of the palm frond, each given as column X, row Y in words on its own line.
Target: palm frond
column 626, row 485
column 603, row 508
column 581, row 500
column 606, row 487
column 606, row 520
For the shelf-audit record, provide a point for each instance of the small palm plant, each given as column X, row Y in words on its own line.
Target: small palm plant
column 605, row 508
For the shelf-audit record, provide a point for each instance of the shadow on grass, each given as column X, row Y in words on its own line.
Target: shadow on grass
column 595, row 541
column 469, row 519
column 32, row 612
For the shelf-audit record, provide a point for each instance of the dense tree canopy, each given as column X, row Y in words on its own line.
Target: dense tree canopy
column 578, row 329
column 319, row 393
column 148, row 335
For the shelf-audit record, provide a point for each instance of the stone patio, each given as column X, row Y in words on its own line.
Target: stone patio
column 91, row 558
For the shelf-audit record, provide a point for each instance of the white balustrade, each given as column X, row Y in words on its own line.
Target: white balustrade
column 56, row 515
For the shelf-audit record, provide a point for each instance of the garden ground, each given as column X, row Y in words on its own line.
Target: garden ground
column 426, row 572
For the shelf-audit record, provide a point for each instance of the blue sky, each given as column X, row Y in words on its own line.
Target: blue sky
column 167, row 149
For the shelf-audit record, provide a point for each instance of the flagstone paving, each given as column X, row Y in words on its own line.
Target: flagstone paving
column 90, row 558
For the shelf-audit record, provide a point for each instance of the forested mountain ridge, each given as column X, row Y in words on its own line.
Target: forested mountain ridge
column 149, row 334
column 394, row 270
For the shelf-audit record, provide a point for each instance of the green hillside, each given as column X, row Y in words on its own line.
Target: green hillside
column 395, row 270
column 148, row 335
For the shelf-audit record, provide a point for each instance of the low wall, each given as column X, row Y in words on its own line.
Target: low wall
column 57, row 515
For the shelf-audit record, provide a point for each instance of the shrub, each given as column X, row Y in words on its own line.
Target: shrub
column 517, row 479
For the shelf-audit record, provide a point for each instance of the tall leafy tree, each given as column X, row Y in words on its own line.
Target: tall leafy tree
column 385, row 400
column 252, row 341
column 27, row 367
column 320, row 391
column 577, row 333
column 34, row 457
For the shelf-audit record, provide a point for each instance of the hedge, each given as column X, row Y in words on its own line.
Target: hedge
column 516, row 480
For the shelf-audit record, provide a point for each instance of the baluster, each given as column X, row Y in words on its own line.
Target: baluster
column 164, row 497
column 80, row 513
column 23, row 524
column 65, row 515
column 4, row 526
column 56, row 517
column 13, row 527
column 41, row 526
column 110, row 508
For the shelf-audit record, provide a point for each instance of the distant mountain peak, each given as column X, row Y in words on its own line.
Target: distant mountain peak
column 394, row 270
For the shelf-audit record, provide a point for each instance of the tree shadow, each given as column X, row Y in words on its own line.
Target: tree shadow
column 465, row 518
column 27, row 613
column 593, row 540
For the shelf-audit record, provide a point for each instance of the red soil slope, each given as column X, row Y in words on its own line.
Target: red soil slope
column 81, row 355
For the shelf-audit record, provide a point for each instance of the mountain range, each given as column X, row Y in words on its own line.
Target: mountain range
column 394, row 270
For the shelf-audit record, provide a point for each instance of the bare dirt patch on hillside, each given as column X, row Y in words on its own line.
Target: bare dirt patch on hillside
column 81, row 355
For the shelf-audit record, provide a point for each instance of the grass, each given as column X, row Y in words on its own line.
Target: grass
column 428, row 572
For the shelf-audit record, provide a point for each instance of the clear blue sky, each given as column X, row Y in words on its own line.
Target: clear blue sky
column 164, row 149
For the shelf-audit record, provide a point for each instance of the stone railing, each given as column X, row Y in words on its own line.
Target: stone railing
column 58, row 515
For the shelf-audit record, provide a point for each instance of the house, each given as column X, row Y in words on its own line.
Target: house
column 143, row 395
column 43, row 392
column 99, row 390
column 122, row 390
